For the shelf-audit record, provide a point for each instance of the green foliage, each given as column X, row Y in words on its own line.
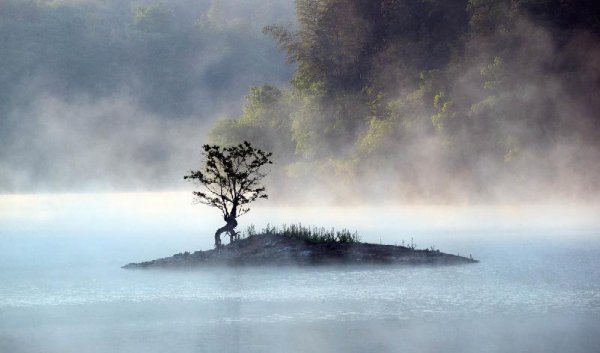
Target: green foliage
column 444, row 111
column 377, row 135
column 427, row 90
column 265, row 121
column 494, row 75
column 263, row 107
column 419, row 91
column 323, row 41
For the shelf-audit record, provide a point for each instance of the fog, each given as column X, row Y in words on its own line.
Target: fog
column 466, row 103
column 118, row 95
column 493, row 103
column 466, row 126
column 137, row 213
column 63, row 290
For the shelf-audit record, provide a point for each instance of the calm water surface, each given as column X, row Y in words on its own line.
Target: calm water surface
column 534, row 291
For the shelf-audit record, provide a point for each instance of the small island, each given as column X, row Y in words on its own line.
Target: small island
column 230, row 179
column 300, row 246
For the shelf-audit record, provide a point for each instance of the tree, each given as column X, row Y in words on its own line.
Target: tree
column 231, row 179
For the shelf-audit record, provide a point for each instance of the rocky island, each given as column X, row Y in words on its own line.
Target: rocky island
column 278, row 250
column 230, row 179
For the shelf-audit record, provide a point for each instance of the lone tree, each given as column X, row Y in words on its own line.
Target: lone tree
column 230, row 180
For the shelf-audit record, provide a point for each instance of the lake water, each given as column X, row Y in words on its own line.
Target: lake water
column 62, row 290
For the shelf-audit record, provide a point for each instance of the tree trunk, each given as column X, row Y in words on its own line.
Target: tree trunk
column 218, row 236
column 229, row 228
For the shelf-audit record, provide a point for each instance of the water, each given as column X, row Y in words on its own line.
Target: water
column 534, row 291
column 527, row 295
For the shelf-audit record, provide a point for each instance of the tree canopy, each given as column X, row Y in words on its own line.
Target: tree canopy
column 230, row 179
column 446, row 98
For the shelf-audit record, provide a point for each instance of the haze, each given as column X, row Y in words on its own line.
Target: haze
column 465, row 126
column 486, row 104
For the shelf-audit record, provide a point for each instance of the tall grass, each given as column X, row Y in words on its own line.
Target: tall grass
column 310, row 234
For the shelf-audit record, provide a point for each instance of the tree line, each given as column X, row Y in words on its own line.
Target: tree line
column 433, row 98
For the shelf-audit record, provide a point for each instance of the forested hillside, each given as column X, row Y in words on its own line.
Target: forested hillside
column 436, row 100
column 433, row 100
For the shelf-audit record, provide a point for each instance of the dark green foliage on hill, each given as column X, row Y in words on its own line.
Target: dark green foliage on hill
column 438, row 99
column 435, row 98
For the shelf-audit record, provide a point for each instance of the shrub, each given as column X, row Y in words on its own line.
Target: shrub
column 310, row 234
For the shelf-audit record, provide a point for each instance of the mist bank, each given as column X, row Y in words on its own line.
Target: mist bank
column 410, row 101
column 117, row 95
column 160, row 213
column 435, row 101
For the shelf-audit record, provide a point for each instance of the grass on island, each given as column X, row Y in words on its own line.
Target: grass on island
column 310, row 234
column 318, row 235
column 315, row 235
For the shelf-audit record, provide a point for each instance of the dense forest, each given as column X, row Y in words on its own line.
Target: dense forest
column 462, row 100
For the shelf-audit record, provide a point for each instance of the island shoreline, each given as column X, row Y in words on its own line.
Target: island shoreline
column 275, row 250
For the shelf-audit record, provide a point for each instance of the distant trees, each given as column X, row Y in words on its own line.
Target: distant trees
column 230, row 179
column 150, row 49
column 432, row 93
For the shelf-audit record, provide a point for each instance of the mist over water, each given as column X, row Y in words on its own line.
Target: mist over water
column 537, row 287
column 462, row 125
